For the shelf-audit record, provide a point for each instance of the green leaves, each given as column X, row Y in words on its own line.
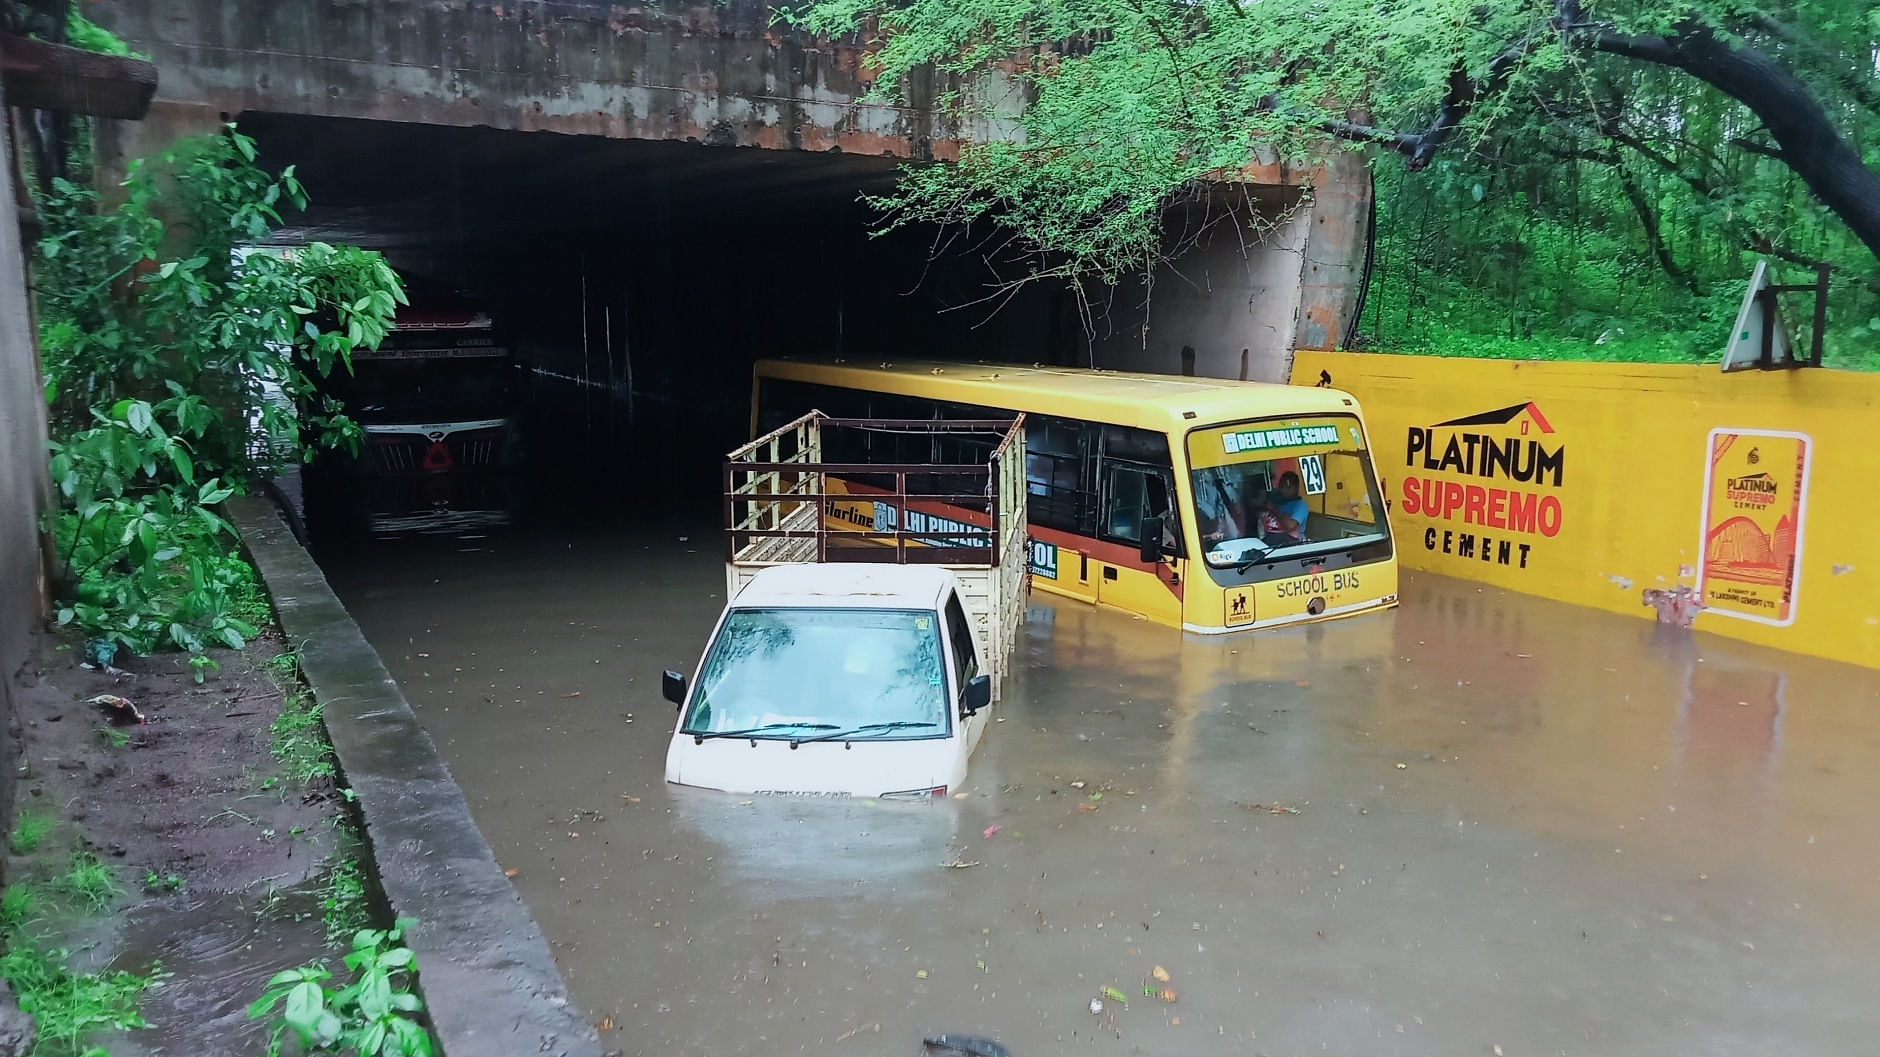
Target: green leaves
column 371, row 1017
column 177, row 360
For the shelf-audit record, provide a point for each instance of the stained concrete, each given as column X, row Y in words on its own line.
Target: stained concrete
column 23, row 486
column 486, row 973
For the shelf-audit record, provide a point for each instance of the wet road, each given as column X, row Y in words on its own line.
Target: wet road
column 1519, row 824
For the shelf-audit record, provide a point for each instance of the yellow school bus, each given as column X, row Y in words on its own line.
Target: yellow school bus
column 1210, row 505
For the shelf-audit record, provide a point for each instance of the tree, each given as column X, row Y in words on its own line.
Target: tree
column 1136, row 103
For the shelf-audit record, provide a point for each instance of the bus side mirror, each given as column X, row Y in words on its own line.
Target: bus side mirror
column 977, row 696
column 1152, row 539
column 672, row 684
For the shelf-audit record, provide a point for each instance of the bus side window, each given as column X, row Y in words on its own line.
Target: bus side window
column 1058, row 458
column 1125, row 500
column 960, row 630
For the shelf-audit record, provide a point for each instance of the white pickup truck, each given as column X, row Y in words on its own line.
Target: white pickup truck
column 855, row 659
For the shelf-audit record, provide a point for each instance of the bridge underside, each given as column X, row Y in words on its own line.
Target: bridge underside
column 651, row 198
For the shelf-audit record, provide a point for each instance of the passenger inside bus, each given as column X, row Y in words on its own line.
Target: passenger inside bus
column 1283, row 513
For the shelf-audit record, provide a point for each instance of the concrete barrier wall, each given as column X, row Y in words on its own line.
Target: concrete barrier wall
column 23, row 488
column 1743, row 504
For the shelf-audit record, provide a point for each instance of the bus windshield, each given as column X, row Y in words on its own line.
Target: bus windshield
column 1282, row 488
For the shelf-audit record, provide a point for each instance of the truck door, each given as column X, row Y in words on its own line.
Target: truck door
column 964, row 646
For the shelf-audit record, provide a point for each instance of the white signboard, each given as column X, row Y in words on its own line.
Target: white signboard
column 1744, row 350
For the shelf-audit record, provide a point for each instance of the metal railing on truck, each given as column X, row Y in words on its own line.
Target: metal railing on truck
column 780, row 509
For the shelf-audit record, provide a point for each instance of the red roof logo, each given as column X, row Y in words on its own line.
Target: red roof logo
column 1529, row 415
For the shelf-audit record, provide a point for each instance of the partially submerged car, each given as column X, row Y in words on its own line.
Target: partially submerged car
column 843, row 680
column 856, row 656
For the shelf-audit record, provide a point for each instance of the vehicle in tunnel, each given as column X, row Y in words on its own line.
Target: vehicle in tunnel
column 835, row 679
column 439, row 405
column 1214, row 506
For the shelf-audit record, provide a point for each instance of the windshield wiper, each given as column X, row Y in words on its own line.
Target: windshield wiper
column 699, row 737
column 872, row 728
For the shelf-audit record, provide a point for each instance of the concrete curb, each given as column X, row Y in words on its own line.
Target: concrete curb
column 486, row 972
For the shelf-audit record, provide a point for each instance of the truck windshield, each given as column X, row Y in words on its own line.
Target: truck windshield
column 1280, row 488
column 793, row 674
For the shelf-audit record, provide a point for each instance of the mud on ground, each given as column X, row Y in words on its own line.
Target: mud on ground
column 220, row 855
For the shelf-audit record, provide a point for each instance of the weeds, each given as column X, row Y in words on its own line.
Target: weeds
column 300, row 740
column 19, row 904
column 30, row 832
column 114, row 737
column 153, row 882
column 90, row 881
column 68, row 1005
column 343, row 905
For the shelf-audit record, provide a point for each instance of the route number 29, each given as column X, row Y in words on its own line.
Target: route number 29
column 1312, row 470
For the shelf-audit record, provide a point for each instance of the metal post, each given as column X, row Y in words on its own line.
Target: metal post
column 1821, row 312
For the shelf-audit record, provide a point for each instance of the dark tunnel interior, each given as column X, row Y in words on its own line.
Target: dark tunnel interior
column 637, row 281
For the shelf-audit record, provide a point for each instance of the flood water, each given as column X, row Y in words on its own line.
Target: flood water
column 1519, row 824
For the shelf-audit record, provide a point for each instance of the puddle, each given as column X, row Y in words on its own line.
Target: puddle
column 226, row 947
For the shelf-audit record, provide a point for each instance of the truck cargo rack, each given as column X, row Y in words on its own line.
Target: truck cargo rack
column 969, row 516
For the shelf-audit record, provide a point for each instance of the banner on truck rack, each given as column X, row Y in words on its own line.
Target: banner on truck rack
column 1755, row 490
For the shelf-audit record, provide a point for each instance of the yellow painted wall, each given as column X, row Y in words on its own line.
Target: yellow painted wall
column 1618, row 507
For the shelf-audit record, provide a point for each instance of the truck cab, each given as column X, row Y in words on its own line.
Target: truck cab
column 835, row 680
column 438, row 403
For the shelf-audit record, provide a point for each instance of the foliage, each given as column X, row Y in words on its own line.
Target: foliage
column 65, row 1005
column 30, row 831
column 82, row 32
column 343, row 905
column 176, row 361
column 90, row 881
column 374, row 1015
column 1551, row 144
column 300, row 739
column 19, row 904
column 1500, row 254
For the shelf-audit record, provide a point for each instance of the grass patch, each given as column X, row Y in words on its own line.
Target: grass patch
column 89, row 881
column 343, row 906
column 30, row 832
column 68, row 1005
column 19, row 904
column 114, row 737
column 300, row 740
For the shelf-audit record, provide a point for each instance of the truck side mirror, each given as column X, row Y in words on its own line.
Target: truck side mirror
column 1152, row 539
column 672, row 684
column 977, row 696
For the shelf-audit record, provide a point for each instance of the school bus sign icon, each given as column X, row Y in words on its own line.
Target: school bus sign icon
column 1755, row 499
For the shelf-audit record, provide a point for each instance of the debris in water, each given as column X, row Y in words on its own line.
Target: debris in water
column 1160, row 974
column 1115, row 994
column 1096, row 1005
column 577, row 693
column 120, row 708
column 963, row 1046
column 960, row 864
column 511, row 872
column 1276, row 808
column 1167, row 994
column 1086, row 807
column 992, row 829
column 857, row 1030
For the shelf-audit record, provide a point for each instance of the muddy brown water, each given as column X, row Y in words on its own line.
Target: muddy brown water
column 1520, row 824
